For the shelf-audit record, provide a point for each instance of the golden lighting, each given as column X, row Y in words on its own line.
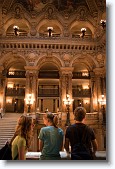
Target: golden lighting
column 68, row 101
column 85, row 87
column 8, row 100
column 10, row 85
column 30, row 99
column 11, row 73
column 86, row 101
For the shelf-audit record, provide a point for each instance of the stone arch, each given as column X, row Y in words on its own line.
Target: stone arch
column 15, row 21
column 83, row 24
column 90, row 62
column 10, row 58
column 51, row 59
column 51, row 23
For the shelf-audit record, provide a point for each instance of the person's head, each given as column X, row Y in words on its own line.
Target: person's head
column 24, row 128
column 50, row 119
column 25, row 122
column 79, row 114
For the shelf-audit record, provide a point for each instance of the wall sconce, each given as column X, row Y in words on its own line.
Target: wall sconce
column 103, row 23
column 83, row 30
column 16, row 30
column 68, row 102
column 50, row 29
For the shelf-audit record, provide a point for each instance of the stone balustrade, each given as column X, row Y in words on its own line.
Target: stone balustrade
column 100, row 155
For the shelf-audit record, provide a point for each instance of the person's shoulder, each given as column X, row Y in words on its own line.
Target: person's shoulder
column 89, row 128
column 60, row 129
column 72, row 125
column 20, row 138
column 46, row 128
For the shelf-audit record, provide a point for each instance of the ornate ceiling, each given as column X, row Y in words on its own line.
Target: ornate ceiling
column 37, row 15
column 61, row 5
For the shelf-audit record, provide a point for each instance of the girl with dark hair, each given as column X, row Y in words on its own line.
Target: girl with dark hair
column 50, row 138
column 22, row 138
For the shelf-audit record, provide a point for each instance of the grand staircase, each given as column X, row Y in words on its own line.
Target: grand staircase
column 7, row 127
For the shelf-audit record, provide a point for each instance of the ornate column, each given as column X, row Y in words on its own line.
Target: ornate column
column 31, row 86
column 99, row 88
column 65, row 87
column 3, row 82
column 1, row 87
column 92, row 84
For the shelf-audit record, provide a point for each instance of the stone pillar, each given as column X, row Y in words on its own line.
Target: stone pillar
column 1, row 87
column 1, row 19
column 35, row 89
column 3, row 83
column 99, row 73
column 92, row 84
column 65, row 87
column 31, row 87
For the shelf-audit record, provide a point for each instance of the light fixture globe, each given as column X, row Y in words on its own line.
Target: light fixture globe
column 103, row 23
column 83, row 30
column 16, row 30
column 50, row 29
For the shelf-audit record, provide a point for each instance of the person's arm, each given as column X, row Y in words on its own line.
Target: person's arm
column 40, row 139
column 66, row 146
column 21, row 149
column 41, row 144
column 61, row 146
column 95, row 146
column 21, row 153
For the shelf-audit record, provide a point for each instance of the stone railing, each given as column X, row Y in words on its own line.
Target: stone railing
column 56, row 43
column 91, row 118
column 15, row 92
column 100, row 155
column 81, row 93
column 48, row 92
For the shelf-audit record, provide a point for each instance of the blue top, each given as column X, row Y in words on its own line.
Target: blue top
column 52, row 139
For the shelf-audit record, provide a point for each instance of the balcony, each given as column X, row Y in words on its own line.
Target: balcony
column 81, row 92
column 81, row 75
column 15, row 92
column 49, row 92
column 49, row 74
column 16, row 74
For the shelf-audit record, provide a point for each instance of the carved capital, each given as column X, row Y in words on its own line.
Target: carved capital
column 100, row 72
column 66, row 71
